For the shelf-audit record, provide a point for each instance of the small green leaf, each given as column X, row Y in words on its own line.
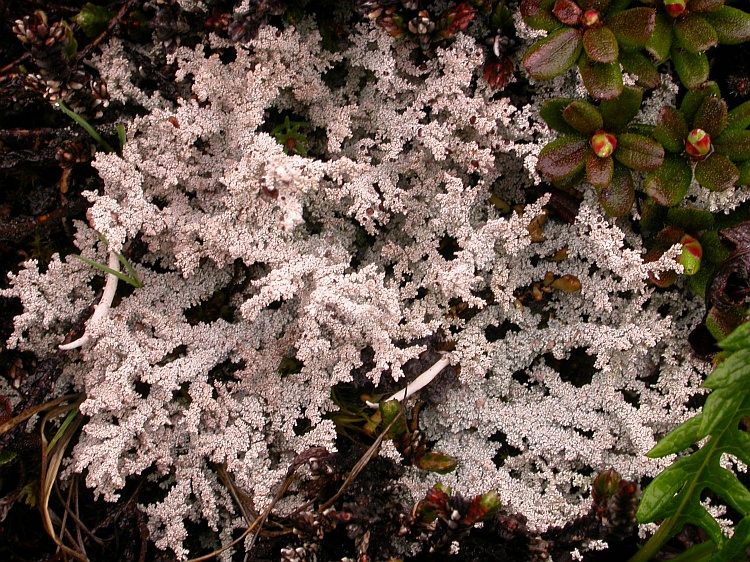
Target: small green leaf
column 711, row 116
column 618, row 197
column 716, row 173
column 619, row 112
column 563, row 158
column 638, row 65
column 633, row 28
column 679, row 439
column 671, row 130
column 638, row 152
column 739, row 117
column 721, row 406
column 602, row 81
column 732, row 25
column 690, row 67
column 390, row 411
column 599, row 171
column 734, row 144
column 690, row 219
column 695, row 34
column 93, row 19
column 552, row 113
column 583, row 117
column 669, row 184
column 554, row 55
column 600, row 44
column 661, row 40
column 6, row 457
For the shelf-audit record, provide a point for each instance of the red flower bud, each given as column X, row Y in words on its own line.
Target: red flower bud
column 692, row 253
column 604, row 144
column 675, row 7
column 590, row 18
column 698, row 143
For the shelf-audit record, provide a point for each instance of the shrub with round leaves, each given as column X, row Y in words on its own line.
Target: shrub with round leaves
column 597, row 35
column 599, row 145
column 686, row 29
column 701, row 139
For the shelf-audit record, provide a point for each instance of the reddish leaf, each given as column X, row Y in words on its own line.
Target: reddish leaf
column 563, row 158
column 618, row 197
column 567, row 12
column 553, row 55
column 639, row 152
column 600, row 45
column 437, row 462
column 704, row 5
column 599, row 170
column 633, row 28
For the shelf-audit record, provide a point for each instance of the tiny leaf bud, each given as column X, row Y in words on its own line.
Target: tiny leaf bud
column 698, row 143
column 603, row 144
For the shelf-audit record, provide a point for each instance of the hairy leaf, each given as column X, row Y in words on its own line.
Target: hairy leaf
column 639, row 152
column 695, row 34
column 734, row 144
column 692, row 68
column 563, row 158
column 732, row 26
column 669, row 184
column 711, row 116
column 538, row 14
column 554, row 55
column 661, row 40
column 618, row 197
column 552, row 113
column 619, row 112
column 633, row 28
column 583, row 117
column 716, row 173
column 600, row 45
column 671, row 130
column 638, row 65
column 602, row 81
column 599, row 170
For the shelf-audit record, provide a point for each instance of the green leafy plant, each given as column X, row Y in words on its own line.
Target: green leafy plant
column 88, row 128
column 599, row 143
column 598, row 36
column 702, row 139
column 686, row 29
column 674, row 497
column 287, row 135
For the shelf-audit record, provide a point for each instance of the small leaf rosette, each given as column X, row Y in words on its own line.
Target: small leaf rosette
column 598, row 36
column 703, row 140
column 597, row 143
column 686, row 29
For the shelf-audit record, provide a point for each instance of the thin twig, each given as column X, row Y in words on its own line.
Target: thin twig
column 26, row 414
column 18, row 61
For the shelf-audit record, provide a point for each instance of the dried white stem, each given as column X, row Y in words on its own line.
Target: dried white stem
column 417, row 384
column 101, row 310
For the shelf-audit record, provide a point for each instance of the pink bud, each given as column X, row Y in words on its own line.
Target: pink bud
column 698, row 143
column 675, row 7
column 590, row 18
column 603, row 144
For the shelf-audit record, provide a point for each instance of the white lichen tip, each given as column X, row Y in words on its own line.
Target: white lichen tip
column 110, row 288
